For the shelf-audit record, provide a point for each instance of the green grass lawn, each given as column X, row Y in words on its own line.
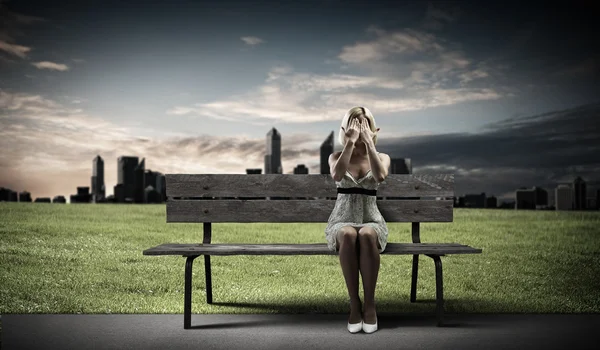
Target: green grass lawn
column 88, row 259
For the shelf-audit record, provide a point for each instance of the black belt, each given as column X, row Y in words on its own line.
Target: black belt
column 359, row 190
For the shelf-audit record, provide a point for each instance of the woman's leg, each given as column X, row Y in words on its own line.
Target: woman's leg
column 347, row 248
column 369, row 261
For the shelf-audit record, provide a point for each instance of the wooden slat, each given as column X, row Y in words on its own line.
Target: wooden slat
column 302, row 249
column 300, row 185
column 240, row 210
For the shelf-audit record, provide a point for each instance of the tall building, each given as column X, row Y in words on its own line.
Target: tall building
column 98, row 188
column 326, row 151
column 273, row 155
column 126, row 176
column 579, row 192
column 138, row 182
column 531, row 198
column 563, row 197
column 301, row 169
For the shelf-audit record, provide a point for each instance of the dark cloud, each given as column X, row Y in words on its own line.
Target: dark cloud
column 541, row 150
column 439, row 14
column 12, row 23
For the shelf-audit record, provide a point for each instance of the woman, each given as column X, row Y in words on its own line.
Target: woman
column 355, row 227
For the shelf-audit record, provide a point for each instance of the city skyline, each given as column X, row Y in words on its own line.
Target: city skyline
column 195, row 86
column 573, row 196
column 133, row 179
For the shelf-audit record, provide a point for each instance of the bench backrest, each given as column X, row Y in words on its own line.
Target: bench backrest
column 191, row 198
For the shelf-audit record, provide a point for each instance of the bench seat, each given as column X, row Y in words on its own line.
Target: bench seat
column 302, row 249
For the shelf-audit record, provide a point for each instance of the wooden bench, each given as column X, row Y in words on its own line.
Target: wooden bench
column 212, row 198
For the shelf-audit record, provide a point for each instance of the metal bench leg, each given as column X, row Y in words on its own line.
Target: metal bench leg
column 187, row 298
column 415, row 273
column 208, row 276
column 439, row 290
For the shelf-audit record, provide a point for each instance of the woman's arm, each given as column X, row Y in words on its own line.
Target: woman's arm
column 378, row 168
column 341, row 164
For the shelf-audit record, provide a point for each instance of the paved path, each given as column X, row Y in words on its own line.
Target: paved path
column 297, row 331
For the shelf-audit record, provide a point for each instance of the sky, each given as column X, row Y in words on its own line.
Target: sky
column 499, row 94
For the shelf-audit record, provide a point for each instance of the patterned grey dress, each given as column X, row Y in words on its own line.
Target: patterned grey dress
column 357, row 210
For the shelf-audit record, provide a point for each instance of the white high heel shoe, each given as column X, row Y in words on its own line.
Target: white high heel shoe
column 369, row 328
column 355, row 327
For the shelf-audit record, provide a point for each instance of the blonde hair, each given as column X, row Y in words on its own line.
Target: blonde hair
column 356, row 112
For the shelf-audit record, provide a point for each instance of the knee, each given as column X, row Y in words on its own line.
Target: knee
column 347, row 235
column 367, row 235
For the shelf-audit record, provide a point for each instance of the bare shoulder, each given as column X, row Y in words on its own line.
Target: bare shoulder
column 334, row 156
column 383, row 156
column 385, row 159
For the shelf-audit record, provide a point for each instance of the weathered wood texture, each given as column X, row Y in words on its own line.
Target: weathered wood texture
column 301, row 249
column 296, row 210
column 300, row 185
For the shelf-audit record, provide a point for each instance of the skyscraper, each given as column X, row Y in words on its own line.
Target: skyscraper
column 273, row 155
column 326, row 151
column 579, row 192
column 531, row 198
column 138, row 182
column 125, row 175
column 98, row 189
column 564, row 197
